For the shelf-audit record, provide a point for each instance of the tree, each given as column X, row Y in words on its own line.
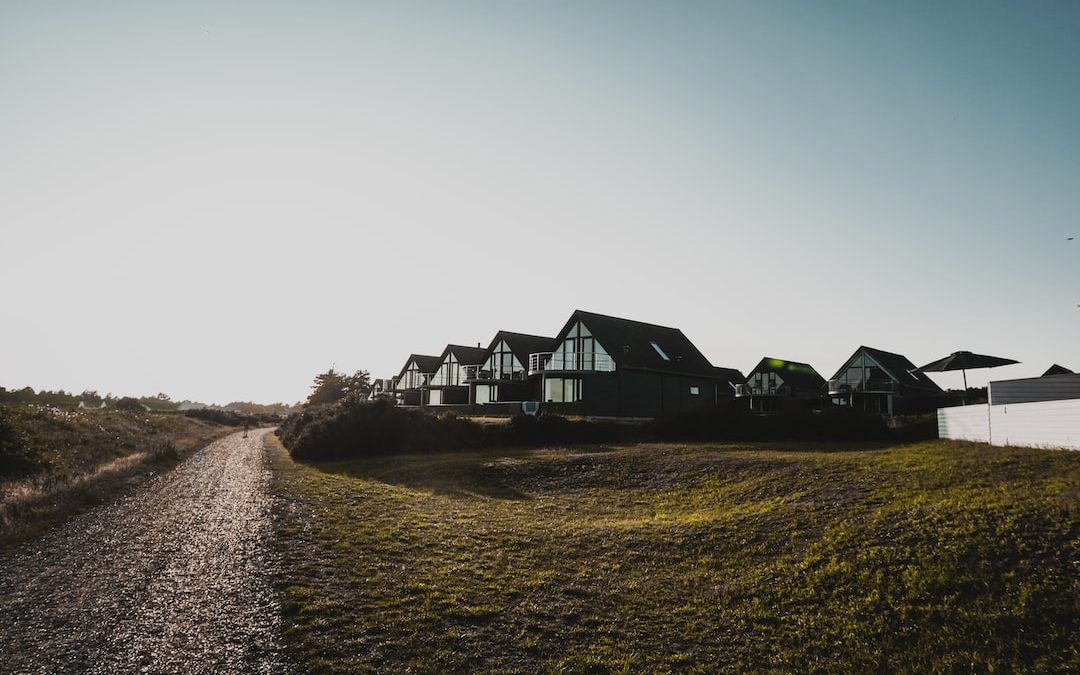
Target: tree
column 91, row 397
column 131, row 404
column 333, row 386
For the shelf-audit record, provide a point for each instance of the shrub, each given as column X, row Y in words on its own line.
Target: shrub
column 225, row 417
column 355, row 428
column 16, row 459
column 729, row 423
column 544, row 429
column 130, row 404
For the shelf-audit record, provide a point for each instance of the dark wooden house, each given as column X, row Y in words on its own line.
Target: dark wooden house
column 448, row 385
column 882, row 382
column 414, row 375
column 605, row 366
column 776, row 384
column 1057, row 370
column 504, row 375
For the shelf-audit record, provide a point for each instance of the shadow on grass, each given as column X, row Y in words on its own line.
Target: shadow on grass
column 451, row 474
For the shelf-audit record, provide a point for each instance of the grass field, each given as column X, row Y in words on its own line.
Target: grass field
column 57, row 462
column 686, row 558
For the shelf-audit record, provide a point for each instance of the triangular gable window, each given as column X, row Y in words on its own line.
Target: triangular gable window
column 863, row 373
column 579, row 350
column 449, row 373
column 502, row 364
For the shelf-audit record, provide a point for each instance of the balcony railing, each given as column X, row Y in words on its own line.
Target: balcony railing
column 474, row 373
column 750, row 390
column 873, row 386
column 570, row 361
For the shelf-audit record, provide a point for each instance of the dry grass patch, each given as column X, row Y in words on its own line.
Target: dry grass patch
column 62, row 461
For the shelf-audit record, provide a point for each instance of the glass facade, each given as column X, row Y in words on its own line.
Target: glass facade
column 863, row 374
column 449, row 373
column 502, row 364
column 765, row 384
column 412, row 378
column 562, row 389
column 486, row 393
column 579, row 350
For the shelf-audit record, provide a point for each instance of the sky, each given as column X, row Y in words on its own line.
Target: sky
column 220, row 200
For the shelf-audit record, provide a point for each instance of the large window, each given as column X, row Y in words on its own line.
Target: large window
column 449, row 373
column 765, row 383
column 412, row 379
column 864, row 374
column 562, row 389
column 579, row 350
column 502, row 364
column 487, row 393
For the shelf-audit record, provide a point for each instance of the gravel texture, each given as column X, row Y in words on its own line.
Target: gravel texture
column 178, row 577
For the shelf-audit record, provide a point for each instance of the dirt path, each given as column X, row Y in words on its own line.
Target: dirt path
column 177, row 577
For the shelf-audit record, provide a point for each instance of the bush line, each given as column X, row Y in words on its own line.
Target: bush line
column 351, row 428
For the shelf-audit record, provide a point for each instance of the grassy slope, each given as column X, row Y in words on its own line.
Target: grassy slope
column 939, row 556
column 74, row 459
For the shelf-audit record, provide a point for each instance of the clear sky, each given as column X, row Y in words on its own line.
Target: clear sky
column 218, row 200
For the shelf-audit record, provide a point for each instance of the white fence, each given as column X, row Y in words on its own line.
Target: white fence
column 1045, row 424
column 964, row 423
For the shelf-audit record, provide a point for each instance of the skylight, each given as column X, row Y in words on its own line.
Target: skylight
column 660, row 351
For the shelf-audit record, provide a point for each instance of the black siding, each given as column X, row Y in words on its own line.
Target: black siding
column 1030, row 390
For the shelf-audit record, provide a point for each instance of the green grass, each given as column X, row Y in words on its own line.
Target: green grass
column 686, row 558
column 59, row 462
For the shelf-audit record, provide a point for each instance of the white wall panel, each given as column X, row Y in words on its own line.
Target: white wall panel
column 964, row 423
column 1045, row 424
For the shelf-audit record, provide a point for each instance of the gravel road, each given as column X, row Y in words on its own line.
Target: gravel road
column 175, row 578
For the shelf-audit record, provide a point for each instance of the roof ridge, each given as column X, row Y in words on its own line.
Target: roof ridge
column 773, row 358
column 619, row 318
column 883, row 351
column 529, row 335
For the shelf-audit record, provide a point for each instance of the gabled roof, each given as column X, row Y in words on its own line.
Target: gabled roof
column 1057, row 370
column 426, row 363
column 798, row 375
column 899, row 367
column 521, row 344
column 630, row 344
column 466, row 356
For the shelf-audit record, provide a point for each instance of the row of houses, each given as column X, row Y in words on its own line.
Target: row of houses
column 605, row 366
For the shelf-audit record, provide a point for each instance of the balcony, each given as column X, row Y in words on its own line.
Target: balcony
column 742, row 390
column 871, row 386
column 548, row 362
column 482, row 374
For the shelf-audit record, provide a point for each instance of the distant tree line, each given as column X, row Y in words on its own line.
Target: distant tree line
column 161, row 402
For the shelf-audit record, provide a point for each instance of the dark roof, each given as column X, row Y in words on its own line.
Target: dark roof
column 629, row 344
column 798, row 375
column 729, row 375
column 901, row 369
column 426, row 363
column 466, row 356
column 521, row 344
column 1057, row 370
